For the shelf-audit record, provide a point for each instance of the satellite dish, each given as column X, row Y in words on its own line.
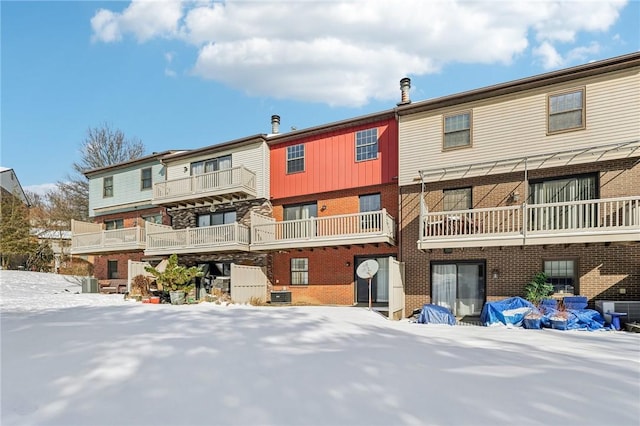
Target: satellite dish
column 367, row 269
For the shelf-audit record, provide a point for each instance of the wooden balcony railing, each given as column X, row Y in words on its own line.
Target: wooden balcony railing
column 218, row 183
column 113, row 240
column 165, row 240
column 611, row 219
column 356, row 228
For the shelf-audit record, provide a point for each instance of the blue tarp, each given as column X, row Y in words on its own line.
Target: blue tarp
column 434, row 314
column 581, row 319
column 507, row 311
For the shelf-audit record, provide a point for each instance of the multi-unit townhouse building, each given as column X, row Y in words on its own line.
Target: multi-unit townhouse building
column 121, row 205
column 211, row 195
column 536, row 175
column 474, row 192
column 334, row 196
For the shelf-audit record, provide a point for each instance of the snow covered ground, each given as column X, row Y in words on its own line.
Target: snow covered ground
column 89, row 359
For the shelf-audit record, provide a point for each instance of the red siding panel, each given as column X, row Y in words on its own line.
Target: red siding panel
column 330, row 163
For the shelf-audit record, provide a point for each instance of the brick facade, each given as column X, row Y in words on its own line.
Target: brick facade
column 604, row 270
column 331, row 269
column 130, row 219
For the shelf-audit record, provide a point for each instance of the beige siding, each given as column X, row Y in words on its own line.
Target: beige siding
column 254, row 157
column 514, row 126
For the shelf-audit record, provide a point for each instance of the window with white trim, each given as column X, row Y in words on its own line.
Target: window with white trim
column 114, row 224
column 562, row 275
column 295, row 158
column 566, row 111
column 457, row 130
column 107, row 186
column 300, row 271
column 211, row 165
column 217, row 218
column 367, row 144
column 456, row 199
column 145, row 178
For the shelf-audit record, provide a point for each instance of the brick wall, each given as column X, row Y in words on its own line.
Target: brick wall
column 100, row 264
column 331, row 280
column 603, row 269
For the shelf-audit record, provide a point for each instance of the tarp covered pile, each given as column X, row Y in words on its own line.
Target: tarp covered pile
column 517, row 312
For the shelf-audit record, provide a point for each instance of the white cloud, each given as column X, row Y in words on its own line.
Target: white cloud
column 145, row 19
column 350, row 52
column 41, row 189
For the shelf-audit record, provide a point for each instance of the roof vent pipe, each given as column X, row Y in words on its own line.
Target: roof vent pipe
column 405, row 85
column 275, row 124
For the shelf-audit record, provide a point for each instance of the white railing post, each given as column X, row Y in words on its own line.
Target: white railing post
column 312, row 227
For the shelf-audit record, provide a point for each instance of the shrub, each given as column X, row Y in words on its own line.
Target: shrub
column 538, row 288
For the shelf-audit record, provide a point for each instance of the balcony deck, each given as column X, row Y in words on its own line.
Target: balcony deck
column 340, row 230
column 589, row 221
column 163, row 240
column 220, row 186
column 108, row 241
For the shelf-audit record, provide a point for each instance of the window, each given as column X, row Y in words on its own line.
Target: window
column 561, row 192
column 145, row 178
column 300, row 271
column 107, row 186
column 561, row 274
column 456, row 199
column 370, row 203
column 114, row 224
column 218, row 218
column 295, row 158
column 367, row 144
column 153, row 218
column 301, row 211
column 566, row 111
column 211, row 165
column 112, row 269
column 575, row 188
column 457, row 130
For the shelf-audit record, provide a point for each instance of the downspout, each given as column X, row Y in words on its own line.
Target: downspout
column 525, row 223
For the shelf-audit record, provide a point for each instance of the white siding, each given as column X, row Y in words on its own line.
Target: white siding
column 514, row 126
column 126, row 186
column 254, row 157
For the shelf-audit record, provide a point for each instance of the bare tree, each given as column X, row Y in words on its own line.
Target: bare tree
column 103, row 146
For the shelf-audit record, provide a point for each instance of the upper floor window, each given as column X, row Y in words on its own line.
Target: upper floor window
column 567, row 189
column 107, row 186
column 456, row 199
column 301, row 211
column 211, row 165
column 145, row 178
column 295, row 158
column 114, row 224
column 457, row 130
column 369, row 203
column 566, row 111
column 367, row 144
column 217, row 218
column 153, row 218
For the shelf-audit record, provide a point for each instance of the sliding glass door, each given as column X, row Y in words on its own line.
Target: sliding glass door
column 458, row 286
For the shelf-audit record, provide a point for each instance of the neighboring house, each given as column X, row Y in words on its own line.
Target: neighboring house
column 211, row 194
column 10, row 184
column 120, row 203
column 538, row 174
column 335, row 202
column 58, row 240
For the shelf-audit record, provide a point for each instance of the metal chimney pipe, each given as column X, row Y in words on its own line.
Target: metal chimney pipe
column 275, row 124
column 405, row 85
